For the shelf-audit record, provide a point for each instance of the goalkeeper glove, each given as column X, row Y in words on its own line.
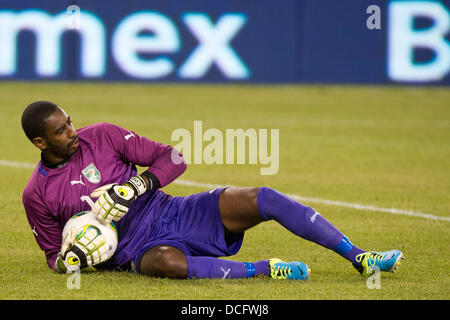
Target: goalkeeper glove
column 88, row 250
column 114, row 200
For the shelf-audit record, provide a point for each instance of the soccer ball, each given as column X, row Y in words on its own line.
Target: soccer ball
column 86, row 220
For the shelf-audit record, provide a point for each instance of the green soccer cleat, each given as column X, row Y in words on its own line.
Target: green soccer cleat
column 371, row 261
column 295, row 270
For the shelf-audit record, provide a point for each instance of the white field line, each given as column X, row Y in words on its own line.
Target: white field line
column 328, row 202
column 297, row 197
column 5, row 163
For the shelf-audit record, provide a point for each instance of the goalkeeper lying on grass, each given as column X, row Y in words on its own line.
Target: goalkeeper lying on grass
column 159, row 235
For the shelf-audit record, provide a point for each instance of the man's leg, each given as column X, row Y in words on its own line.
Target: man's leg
column 239, row 211
column 243, row 208
column 168, row 261
column 164, row 261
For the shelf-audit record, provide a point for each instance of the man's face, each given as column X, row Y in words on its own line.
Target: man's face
column 60, row 139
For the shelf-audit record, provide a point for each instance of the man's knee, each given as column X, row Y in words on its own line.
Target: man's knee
column 164, row 261
column 239, row 209
column 252, row 197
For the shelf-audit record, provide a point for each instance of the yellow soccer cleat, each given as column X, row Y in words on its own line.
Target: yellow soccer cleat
column 370, row 261
column 294, row 270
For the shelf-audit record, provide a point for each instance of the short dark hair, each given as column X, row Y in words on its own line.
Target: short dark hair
column 33, row 118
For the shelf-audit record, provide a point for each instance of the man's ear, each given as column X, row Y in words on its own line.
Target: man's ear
column 40, row 143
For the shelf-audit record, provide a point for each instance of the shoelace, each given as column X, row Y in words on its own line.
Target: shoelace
column 282, row 272
column 373, row 257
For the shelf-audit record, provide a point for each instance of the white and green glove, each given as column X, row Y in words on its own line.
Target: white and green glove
column 79, row 252
column 114, row 200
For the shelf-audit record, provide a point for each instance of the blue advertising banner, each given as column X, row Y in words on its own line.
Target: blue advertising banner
column 253, row 41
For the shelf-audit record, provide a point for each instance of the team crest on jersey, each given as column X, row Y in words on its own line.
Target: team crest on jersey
column 92, row 174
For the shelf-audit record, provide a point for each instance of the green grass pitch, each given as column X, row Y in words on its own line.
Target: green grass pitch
column 381, row 146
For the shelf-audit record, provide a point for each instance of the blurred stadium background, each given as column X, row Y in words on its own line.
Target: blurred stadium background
column 357, row 89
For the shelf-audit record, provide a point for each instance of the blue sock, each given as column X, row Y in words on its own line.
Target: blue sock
column 347, row 250
column 214, row 268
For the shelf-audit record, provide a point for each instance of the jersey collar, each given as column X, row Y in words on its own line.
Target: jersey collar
column 54, row 165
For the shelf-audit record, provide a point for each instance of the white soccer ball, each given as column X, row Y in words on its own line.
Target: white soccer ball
column 85, row 220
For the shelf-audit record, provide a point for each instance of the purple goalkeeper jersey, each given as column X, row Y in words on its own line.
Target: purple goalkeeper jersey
column 106, row 154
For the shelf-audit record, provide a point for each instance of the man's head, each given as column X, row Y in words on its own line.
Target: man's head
column 50, row 129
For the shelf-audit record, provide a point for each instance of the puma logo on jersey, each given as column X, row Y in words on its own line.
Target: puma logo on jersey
column 128, row 136
column 74, row 182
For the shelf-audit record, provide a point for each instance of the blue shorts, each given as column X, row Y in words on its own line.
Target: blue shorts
column 193, row 225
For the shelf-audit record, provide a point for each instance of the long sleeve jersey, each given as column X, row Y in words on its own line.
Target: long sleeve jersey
column 106, row 154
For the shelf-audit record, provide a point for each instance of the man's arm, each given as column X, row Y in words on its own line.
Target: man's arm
column 46, row 230
column 115, row 199
column 163, row 161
